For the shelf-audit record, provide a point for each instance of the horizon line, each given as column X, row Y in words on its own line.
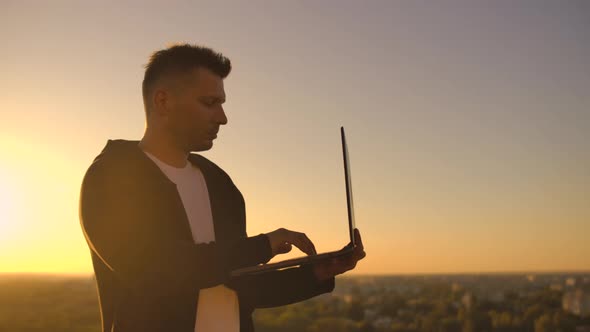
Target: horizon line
column 401, row 274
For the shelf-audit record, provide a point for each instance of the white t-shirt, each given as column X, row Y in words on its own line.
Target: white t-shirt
column 218, row 308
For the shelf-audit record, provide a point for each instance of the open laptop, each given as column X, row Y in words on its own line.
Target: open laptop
column 314, row 258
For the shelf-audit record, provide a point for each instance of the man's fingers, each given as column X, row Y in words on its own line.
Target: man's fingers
column 342, row 264
column 359, row 250
column 357, row 238
column 309, row 244
column 360, row 255
column 282, row 239
column 301, row 241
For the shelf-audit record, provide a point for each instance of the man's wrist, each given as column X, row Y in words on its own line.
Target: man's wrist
column 268, row 246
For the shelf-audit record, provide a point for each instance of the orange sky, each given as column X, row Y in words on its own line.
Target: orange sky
column 468, row 126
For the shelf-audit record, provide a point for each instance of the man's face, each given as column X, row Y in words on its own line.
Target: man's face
column 195, row 112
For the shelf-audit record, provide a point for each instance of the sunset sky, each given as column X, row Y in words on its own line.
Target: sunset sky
column 468, row 123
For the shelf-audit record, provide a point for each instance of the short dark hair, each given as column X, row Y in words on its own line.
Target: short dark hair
column 179, row 59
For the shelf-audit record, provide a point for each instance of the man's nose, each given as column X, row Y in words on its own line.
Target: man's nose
column 221, row 117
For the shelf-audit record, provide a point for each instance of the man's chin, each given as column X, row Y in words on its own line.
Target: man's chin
column 203, row 146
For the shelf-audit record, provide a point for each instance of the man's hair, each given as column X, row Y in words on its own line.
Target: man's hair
column 180, row 59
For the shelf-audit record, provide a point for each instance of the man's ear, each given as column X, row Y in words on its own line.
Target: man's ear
column 163, row 100
column 160, row 101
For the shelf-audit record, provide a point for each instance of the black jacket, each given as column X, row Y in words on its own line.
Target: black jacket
column 148, row 269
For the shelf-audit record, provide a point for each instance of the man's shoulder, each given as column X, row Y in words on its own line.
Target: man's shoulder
column 118, row 159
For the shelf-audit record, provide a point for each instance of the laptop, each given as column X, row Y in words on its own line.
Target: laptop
column 317, row 257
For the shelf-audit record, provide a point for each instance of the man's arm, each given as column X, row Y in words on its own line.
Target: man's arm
column 282, row 287
column 140, row 255
column 276, row 288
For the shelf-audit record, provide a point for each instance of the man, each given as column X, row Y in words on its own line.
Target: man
column 166, row 226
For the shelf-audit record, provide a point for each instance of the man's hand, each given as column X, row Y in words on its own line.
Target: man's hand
column 329, row 268
column 281, row 242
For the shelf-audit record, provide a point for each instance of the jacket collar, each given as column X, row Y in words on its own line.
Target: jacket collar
column 130, row 151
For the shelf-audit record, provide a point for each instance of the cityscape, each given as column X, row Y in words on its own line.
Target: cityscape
column 485, row 302
column 460, row 302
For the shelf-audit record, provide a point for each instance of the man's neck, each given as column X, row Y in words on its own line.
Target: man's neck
column 164, row 149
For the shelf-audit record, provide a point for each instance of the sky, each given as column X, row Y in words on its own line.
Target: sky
column 468, row 124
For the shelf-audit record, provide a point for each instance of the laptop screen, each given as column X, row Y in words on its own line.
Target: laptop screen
column 348, row 182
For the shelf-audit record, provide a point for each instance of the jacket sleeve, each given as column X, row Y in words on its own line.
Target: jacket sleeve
column 140, row 255
column 281, row 287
